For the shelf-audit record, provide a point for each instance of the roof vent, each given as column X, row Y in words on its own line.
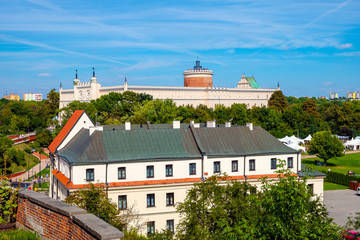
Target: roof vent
column 176, row 124
column 250, row 125
column 228, row 124
column 211, row 124
column 196, row 125
column 127, row 126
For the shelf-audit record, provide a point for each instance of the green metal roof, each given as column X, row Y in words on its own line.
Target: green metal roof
column 238, row 141
column 252, row 82
column 117, row 145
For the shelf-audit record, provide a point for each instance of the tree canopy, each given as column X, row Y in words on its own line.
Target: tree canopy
column 325, row 146
column 278, row 101
column 218, row 208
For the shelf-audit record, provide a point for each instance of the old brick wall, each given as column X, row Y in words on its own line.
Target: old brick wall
column 53, row 219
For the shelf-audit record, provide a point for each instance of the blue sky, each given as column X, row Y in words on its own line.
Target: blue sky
column 310, row 47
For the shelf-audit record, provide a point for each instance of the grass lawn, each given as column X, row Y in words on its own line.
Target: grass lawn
column 338, row 164
column 333, row 186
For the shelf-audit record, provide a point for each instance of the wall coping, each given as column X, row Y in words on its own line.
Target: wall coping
column 89, row 222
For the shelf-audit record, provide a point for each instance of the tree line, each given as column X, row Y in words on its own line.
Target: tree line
column 284, row 115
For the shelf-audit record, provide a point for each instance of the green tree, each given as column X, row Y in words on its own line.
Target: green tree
column 94, row 200
column 325, row 146
column 310, row 107
column 44, row 138
column 278, row 101
column 284, row 209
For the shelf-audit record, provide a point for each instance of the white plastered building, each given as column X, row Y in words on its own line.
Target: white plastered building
column 151, row 167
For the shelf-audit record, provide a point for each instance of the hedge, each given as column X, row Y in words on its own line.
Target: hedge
column 340, row 178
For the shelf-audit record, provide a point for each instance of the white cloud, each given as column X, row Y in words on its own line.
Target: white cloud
column 44, row 75
column 348, row 54
column 345, row 45
column 328, row 83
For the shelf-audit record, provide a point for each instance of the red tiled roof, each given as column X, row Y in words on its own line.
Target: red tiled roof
column 69, row 184
column 65, row 130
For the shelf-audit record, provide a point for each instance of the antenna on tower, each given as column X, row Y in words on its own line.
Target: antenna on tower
column 76, row 75
column 93, row 72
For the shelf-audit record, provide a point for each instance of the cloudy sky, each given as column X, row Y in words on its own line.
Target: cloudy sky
column 310, row 47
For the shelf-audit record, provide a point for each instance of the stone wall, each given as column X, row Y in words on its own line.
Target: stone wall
column 53, row 219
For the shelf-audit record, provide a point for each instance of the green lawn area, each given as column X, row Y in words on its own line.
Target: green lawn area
column 32, row 160
column 338, row 164
column 333, row 186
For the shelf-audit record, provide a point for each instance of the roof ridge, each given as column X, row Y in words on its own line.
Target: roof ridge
column 65, row 130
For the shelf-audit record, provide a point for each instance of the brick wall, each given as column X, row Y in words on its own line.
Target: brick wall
column 53, row 219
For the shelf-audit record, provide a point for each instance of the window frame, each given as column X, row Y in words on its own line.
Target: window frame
column 170, row 199
column 123, row 197
column 150, row 200
column 150, row 226
column 271, row 163
column 150, row 171
column 310, row 187
column 234, row 163
column 290, row 160
column 169, row 170
column 122, row 170
column 170, row 227
column 217, row 168
column 252, row 165
column 192, row 168
column 90, row 171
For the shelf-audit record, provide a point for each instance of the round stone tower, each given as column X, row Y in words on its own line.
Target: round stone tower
column 198, row 77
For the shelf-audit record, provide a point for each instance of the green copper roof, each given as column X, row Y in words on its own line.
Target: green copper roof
column 252, row 82
column 164, row 143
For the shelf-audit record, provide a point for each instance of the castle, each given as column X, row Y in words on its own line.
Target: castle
column 198, row 89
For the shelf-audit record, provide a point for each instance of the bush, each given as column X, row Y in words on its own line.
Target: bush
column 8, row 202
column 340, row 178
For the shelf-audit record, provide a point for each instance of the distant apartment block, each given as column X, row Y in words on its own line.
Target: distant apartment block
column 12, row 97
column 32, row 97
column 353, row 95
column 321, row 97
column 333, row 96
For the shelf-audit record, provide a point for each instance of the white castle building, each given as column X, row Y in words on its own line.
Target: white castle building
column 198, row 89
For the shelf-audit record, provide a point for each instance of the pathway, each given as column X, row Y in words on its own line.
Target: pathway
column 32, row 171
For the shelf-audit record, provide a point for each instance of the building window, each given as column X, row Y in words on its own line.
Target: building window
column 151, row 200
column 121, row 173
column 170, row 199
column 216, row 167
column 311, row 188
column 290, row 162
column 169, row 170
column 252, row 165
column 273, row 163
column 192, row 168
column 150, row 171
column 150, row 228
column 170, row 225
column 234, row 166
column 122, row 202
column 90, row 174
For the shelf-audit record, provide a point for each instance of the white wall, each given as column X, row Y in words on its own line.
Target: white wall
column 83, row 122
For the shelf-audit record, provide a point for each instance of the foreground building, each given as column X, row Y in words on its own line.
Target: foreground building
column 198, row 89
column 151, row 167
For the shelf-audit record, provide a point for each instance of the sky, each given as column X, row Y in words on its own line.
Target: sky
column 311, row 48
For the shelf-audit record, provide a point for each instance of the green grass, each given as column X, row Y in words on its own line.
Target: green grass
column 333, row 186
column 18, row 234
column 44, row 186
column 338, row 164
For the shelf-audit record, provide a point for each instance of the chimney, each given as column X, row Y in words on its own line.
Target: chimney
column 127, row 126
column 192, row 122
column 228, row 124
column 176, row 124
column 250, row 125
column 196, row 125
column 211, row 124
